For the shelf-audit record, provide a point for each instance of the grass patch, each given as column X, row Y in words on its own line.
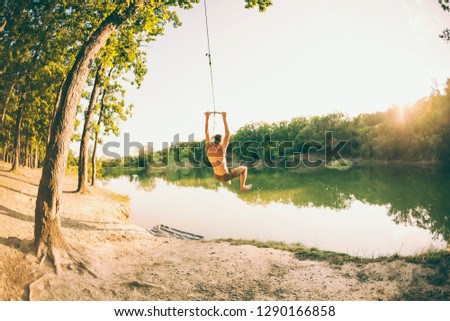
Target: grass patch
column 362, row 277
column 437, row 260
column 120, row 198
column 336, row 165
column 437, row 263
column 293, row 247
column 335, row 258
column 300, row 251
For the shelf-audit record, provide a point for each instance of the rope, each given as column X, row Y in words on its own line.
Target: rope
column 210, row 66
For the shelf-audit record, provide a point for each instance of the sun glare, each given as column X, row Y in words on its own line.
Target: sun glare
column 401, row 115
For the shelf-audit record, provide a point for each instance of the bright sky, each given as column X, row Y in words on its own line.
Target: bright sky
column 299, row 58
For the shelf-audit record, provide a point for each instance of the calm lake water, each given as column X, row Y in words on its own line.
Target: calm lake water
column 367, row 211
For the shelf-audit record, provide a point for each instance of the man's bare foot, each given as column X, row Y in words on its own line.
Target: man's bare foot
column 229, row 183
column 246, row 187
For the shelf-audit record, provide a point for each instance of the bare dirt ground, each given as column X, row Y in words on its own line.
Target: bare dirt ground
column 131, row 264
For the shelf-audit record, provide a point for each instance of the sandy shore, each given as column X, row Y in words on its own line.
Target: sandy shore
column 131, row 264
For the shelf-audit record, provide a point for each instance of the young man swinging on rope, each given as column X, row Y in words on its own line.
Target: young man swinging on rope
column 216, row 152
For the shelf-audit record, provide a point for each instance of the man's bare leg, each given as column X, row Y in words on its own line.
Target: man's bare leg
column 243, row 178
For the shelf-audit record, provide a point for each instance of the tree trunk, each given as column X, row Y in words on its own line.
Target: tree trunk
column 94, row 161
column 84, row 144
column 100, row 119
column 6, row 104
column 36, row 155
column 8, row 153
column 55, row 108
column 94, row 152
column 3, row 115
column 27, row 149
column 48, row 237
column 16, row 160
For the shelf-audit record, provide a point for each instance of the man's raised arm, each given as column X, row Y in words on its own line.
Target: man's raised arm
column 226, row 139
column 208, row 139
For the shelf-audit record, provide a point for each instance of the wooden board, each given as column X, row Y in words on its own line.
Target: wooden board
column 166, row 231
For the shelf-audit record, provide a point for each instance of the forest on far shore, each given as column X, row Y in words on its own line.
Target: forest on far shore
column 420, row 132
column 417, row 133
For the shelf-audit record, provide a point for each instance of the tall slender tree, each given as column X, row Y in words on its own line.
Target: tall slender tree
column 121, row 55
column 16, row 155
column 112, row 111
column 84, row 143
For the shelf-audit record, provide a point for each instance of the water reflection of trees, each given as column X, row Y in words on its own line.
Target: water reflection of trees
column 416, row 196
column 412, row 196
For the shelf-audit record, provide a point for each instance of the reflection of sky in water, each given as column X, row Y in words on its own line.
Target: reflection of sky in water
column 361, row 229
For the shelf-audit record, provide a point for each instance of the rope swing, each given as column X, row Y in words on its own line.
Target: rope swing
column 214, row 112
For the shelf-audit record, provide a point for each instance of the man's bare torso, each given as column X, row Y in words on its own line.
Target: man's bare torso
column 217, row 158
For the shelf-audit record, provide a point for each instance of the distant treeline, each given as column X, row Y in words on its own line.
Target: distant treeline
column 416, row 133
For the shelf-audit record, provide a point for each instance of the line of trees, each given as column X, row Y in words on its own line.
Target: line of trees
column 418, row 133
column 50, row 50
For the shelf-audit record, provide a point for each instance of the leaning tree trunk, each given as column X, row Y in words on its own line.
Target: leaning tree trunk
column 84, row 157
column 48, row 238
column 55, row 108
column 16, row 159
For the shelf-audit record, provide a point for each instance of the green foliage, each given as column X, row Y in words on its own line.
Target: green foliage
column 261, row 4
column 72, row 161
column 39, row 41
column 417, row 133
column 340, row 167
column 445, row 5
